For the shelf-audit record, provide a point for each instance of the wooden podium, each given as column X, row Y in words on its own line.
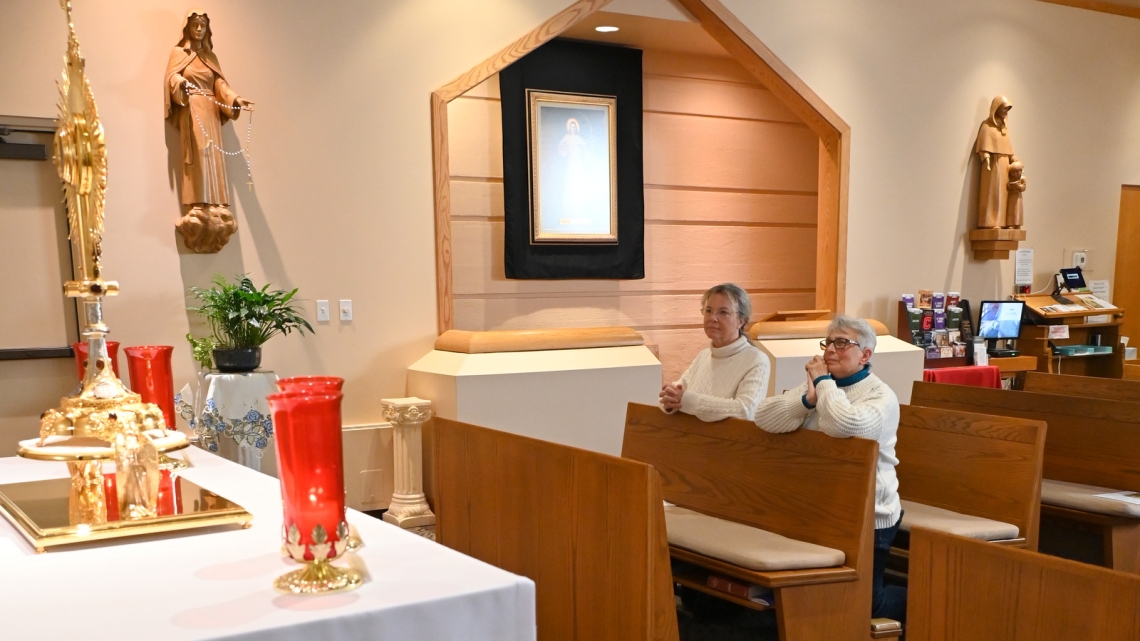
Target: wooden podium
column 1035, row 339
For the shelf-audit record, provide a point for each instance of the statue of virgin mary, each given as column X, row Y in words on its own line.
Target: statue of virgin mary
column 199, row 101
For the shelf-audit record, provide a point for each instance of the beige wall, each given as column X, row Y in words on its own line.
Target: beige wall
column 915, row 79
column 342, row 142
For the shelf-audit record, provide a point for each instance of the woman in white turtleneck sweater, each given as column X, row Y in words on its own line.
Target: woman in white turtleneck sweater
column 730, row 377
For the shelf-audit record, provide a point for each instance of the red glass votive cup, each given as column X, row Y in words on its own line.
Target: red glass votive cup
column 151, row 377
column 80, row 351
column 311, row 383
column 310, row 466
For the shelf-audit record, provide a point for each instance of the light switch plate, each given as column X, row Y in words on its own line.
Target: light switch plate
column 346, row 310
column 322, row 311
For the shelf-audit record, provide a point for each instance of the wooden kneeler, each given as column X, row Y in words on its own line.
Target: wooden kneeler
column 587, row 528
column 804, row 485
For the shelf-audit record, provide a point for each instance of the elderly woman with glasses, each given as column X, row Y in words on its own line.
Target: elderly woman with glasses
column 730, row 377
column 842, row 398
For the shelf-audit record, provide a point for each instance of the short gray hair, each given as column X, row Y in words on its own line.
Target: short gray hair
column 857, row 326
column 737, row 295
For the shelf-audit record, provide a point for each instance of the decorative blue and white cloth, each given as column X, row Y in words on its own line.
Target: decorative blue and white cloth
column 230, row 408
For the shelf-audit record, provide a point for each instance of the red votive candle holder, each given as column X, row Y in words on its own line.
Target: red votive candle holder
column 80, row 351
column 310, row 466
column 310, row 383
column 151, row 377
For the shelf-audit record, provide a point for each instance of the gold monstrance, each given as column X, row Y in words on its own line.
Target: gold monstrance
column 102, row 420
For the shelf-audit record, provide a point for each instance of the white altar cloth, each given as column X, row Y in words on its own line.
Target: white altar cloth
column 219, row 585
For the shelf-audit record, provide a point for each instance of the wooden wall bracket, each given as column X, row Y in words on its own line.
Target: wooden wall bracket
column 990, row 244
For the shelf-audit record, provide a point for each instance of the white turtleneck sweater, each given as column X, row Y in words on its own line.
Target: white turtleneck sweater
column 866, row 409
column 725, row 382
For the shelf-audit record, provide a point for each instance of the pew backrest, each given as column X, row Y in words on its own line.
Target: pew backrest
column 966, row 590
column 804, row 485
column 1109, row 389
column 1091, row 441
column 588, row 528
column 976, row 464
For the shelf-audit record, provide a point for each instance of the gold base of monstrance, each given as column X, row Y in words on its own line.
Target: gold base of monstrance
column 103, row 421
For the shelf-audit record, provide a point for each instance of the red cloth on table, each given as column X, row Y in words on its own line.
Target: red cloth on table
column 976, row 375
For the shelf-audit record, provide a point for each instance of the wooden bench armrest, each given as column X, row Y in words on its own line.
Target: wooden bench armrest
column 777, row 579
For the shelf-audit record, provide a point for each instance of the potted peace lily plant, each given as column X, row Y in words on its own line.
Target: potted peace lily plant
column 242, row 318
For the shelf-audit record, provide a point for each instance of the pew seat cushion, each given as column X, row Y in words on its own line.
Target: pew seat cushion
column 1083, row 497
column 745, row 546
column 936, row 518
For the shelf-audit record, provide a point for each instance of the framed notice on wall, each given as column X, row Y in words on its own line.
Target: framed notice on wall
column 572, row 147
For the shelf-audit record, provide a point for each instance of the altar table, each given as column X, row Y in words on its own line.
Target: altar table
column 219, row 584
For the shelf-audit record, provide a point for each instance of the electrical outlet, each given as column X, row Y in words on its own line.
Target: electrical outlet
column 345, row 310
column 1080, row 259
column 322, row 311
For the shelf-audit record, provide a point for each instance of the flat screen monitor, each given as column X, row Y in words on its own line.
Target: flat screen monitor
column 1074, row 278
column 1000, row 319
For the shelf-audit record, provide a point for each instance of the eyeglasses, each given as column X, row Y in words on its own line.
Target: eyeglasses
column 721, row 314
column 839, row 344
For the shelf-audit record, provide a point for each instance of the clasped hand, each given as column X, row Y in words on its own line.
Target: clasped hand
column 671, row 396
column 815, row 368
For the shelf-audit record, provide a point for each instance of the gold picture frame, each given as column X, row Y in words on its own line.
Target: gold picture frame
column 572, row 153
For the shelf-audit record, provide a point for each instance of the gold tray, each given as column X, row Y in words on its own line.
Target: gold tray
column 39, row 510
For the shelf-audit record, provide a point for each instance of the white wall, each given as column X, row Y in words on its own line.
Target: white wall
column 342, row 150
column 915, row 79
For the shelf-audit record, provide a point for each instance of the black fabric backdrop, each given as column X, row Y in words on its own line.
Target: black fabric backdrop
column 574, row 67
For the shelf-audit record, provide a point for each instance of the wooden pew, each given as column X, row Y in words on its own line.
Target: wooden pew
column 1091, row 442
column 588, row 528
column 1111, row 389
column 973, row 464
column 804, row 485
column 967, row 590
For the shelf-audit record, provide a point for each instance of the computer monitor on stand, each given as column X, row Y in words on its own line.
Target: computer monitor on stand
column 1000, row 320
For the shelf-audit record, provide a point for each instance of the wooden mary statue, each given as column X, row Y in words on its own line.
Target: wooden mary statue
column 198, row 102
column 995, row 151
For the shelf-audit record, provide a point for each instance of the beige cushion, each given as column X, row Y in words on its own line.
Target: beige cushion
column 745, row 546
column 1083, row 497
column 936, row 518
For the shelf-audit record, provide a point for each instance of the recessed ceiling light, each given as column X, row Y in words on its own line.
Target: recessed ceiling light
column 606, row 29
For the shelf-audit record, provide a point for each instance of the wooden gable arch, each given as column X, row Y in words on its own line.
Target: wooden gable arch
column 749, row 52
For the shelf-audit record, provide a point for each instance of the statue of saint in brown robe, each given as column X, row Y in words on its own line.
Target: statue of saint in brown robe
column 995, row 151
column 198, row 102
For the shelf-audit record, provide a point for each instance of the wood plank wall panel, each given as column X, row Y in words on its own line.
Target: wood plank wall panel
column 731, row 195
column 724, row 153
column 475, row 132
column 694, row 96
column 641, row 309
column 676, row 257
column 479, row 198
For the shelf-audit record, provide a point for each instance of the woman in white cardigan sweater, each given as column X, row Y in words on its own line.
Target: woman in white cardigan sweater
column 730, row 377
column 842, row 398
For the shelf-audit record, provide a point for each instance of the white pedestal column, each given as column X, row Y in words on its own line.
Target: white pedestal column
column 409, row 507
